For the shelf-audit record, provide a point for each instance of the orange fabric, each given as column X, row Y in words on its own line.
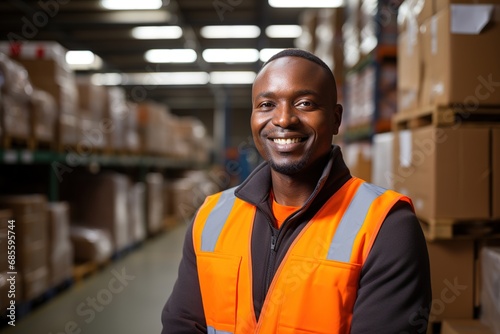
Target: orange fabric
column 308, row 294
column 281, row 212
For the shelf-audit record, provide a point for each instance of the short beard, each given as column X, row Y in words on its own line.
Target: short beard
column 290, row 169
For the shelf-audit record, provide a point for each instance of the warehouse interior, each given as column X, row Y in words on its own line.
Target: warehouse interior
column 118, row 118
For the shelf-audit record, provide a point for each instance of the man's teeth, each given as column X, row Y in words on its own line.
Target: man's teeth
column 283, row 141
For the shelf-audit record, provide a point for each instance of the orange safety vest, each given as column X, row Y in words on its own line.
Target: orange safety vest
column 315, row 286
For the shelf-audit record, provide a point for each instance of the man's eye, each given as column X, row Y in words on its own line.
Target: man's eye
column 266, row 105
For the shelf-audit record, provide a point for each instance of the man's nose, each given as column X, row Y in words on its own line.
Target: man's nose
column 285, row 116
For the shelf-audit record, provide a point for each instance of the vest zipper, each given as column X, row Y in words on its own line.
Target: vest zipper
column 271, row 261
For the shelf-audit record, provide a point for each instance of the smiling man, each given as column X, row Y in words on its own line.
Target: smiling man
column 301, row 246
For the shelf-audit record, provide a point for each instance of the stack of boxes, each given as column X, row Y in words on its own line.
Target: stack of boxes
column 32, row 243
column 48, row 70
column 443, row 160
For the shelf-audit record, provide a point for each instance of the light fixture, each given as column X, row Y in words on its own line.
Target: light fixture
column 237, row 31
column 284, row 31
column 231, row 55
column 166, row 78
column 83, row 60
column 131, row 4
column 171, row 56
column 265, row 54
column 232, row 77
column 107, row 79
column 306, row 4
column 157, row 32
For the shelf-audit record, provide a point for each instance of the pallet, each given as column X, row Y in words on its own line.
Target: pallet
column 13, row 142
column 445, row 116
column 85, row 270
column 444, row 229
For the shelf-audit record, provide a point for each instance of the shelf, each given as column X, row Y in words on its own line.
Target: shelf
column 28, row 157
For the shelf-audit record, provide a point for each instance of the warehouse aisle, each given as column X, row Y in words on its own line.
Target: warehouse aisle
column 126, row 297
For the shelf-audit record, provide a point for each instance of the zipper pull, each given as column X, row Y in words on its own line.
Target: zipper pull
column 273, row 242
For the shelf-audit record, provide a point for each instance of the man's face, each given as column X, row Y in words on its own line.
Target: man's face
column 294, row 114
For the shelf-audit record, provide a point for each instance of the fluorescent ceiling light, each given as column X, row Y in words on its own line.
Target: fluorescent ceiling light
column 167, row 78
column 248, row 31
column 107, row 79
column 284, row 31
column 306, row 4
column 265, row 54
column 235, row 77
column 231, row 55
column 157, row 32
column 131, row 4
column 80, row 57
column 171, row 56
column 83, row 60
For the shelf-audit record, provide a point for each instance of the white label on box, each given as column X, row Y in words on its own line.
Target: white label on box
column 434, row 35
column 470, row 19
column 405, row 149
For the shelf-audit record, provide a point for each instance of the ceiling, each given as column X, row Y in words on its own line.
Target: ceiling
column 85, row 25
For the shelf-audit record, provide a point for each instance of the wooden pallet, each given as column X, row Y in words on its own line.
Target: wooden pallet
column 443, row 229
column 445, row 116
column 83, row 270
column 13, row 142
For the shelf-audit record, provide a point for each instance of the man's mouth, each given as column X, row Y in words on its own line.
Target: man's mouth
column 284, row 141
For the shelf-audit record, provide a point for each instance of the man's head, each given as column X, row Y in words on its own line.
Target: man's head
column 295, row 111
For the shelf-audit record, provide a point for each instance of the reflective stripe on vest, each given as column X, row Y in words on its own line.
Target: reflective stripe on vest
column 216, row 220
column 352, row 220
column 211, row 330
column 343, row 240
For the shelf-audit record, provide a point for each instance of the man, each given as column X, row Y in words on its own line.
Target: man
column 301, row 246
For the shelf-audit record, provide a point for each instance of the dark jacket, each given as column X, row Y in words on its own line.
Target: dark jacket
column 394, row 291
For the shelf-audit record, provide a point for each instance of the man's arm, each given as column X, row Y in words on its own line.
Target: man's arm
column 395, row 293
column 183, row 312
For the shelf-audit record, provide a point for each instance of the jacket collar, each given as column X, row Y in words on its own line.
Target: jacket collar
column 256, row 188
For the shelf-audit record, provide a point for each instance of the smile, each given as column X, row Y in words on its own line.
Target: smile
column 283, row 141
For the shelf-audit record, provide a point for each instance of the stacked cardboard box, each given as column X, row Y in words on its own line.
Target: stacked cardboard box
column 91, row 245
column 60, row 250
column 100, row 201
column 137, row 216
column 358, row 157
column 154, row 203
column 48, row 70
column 30, row 215
column 154, row 129
column 15, row 91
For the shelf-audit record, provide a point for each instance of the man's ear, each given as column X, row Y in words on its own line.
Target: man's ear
column 338, row 110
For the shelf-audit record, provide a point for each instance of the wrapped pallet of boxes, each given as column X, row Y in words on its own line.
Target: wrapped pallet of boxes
column 43, row 116
column 16, row 89
column 154, row 203
column 117, row 111
column 490, row 287
column 60, row 247
column 137, row 214
column 92, row 108
column 154, row 128
column 48, row 70
column 100, row 201
column 132, row 138
column 29, row 213
column 90, row 245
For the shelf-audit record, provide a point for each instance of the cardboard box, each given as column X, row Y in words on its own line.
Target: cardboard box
column 24, row 204
column 60, row 249
column 453, row 73
column 43, row 116
column 15, row 117
column 154, row 203
column 137, row 214
column 445, row 171
column 495, row 167
column 490, row 287
column 358, row 157
column 34, row 283
column 464, row 326
column 100, row 201
column 91, row 98
column 409, row 70
column 452, row 277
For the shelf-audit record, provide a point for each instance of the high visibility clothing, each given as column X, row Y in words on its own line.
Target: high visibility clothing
column 315, row 286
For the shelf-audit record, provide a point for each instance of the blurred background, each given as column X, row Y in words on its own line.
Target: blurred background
column 117, row 118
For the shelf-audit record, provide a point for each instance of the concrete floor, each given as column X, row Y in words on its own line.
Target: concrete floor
column 125, row 297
